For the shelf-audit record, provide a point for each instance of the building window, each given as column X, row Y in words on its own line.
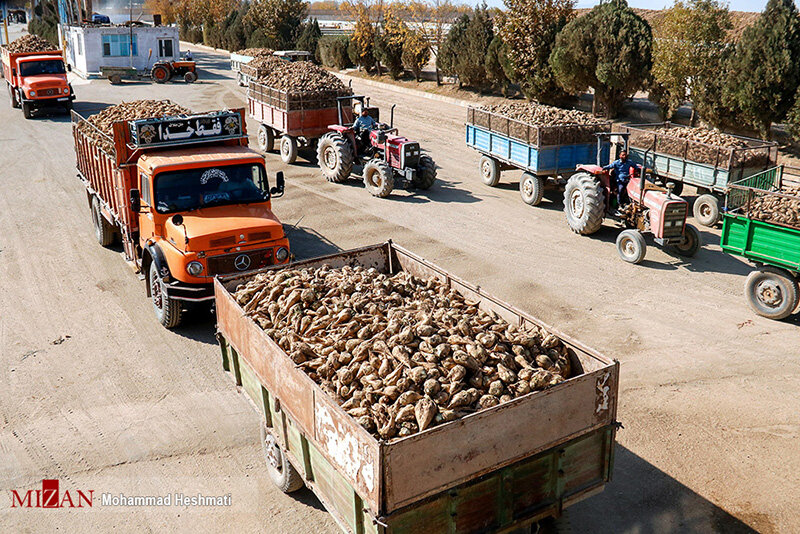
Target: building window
column 79, row 39
column 118, row 45
column 165, row 48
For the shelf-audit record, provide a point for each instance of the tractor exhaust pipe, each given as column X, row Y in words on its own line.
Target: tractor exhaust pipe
column 391, row 116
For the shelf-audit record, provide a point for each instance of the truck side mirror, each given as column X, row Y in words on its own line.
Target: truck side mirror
column 280, row 185
column 69, row 67
column 136, row 203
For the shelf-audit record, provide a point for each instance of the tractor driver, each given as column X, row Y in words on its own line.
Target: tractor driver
column 363, row 125
column 622, row 171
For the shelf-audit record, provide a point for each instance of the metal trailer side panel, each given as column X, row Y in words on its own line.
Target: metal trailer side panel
column 311, row 123
column 761, row 241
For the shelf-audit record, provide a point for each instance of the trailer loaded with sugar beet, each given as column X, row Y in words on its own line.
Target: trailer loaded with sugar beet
column 707, row 159
column 546, row 143
column 36, row 75
column 410, row 401
column 761, row 223
column 295, row 103
column 183, row 192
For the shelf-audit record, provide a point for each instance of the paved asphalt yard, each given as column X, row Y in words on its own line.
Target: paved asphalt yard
column 99, row 395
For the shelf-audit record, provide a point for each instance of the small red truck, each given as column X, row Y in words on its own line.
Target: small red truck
column 36, row 80
column 188, row 199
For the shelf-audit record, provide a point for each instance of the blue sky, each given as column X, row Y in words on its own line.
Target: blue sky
column 735, row 5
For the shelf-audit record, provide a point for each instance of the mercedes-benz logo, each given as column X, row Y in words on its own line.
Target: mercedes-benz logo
column 242, row 262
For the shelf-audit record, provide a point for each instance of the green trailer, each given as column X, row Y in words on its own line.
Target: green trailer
column 709, row 168
column 501, row 469
column 774, row 247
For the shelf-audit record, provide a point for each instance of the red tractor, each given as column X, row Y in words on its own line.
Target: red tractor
column 590, row 197
column 385, row 156
column 163, row 71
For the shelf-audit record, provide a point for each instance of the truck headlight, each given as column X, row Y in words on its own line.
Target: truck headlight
column 66, row 90
column 282, row 255
column 195, row 268
column 32, row 93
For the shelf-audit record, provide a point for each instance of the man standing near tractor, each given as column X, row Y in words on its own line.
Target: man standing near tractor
column 622, row 171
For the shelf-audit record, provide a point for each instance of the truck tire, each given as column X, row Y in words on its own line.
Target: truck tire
column 584, row 203
column 160, row 74
column 103, row 230
column 168, row 310
column 280, row 470
column 426, row 173
column 692, row 242
column 115, row 79
column 27, row 110
column 13, row 96
column 490, row 171
column 266, row 138
column 378, row 178
column 631, row 246
column 531, row 188
column 335, row 157
column 772, row 292
column 706, row 210
column 190, row 77
column 553, row 525
column 288, row 149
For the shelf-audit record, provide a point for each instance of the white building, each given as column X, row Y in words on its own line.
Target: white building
column 90, row 47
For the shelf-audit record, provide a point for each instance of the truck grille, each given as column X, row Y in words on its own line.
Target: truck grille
column 411, row 155
column 240, row 261
column 674, row 217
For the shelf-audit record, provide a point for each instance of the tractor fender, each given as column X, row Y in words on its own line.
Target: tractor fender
column 152, row 253
column 591, row 169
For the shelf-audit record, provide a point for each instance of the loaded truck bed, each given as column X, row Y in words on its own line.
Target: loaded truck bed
column 494, row 470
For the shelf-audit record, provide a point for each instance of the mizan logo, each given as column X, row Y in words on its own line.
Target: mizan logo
column 50, row 497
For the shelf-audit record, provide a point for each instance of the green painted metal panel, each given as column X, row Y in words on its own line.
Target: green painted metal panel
column 251, row 385
column 761, row 241
column 337, row 492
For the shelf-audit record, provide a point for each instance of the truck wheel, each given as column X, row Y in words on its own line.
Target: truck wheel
column 68, row 107
column 335, row 157
column 160, row 74
column 552, row 525
column 691, row 242
column 531, row 188
column 103, row 230
column 13, row 96
column 426, row 173
column 490, row 171
column 771, row 292
column 266, row 138
column 27, row 110
column 288, row 149
column 706, row 210
column 115, row 79
column 379, row 178
column 190, row 77
column 584, row 204
column 631, row 246
column 168, row 310
column 280, row 470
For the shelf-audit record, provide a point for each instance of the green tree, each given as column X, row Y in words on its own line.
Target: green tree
column 279, row 20
column 362, row 42
column 333, row 51
column 44, row 22
column 310, row 35
column 498, row 65
column 764, row 70
column 471, row 62
column 530, row 30
column 416, row 52
column 793, row 118
column 389, row 43
column 451, row 45
column 609, row 50
column 689, row 37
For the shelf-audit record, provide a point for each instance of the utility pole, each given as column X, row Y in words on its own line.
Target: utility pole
column 5, row 21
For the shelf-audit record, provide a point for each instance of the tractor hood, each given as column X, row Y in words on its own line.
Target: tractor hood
column 224, row 228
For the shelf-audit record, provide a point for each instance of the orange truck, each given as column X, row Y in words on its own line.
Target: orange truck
column 186, row 197
column 36, row 80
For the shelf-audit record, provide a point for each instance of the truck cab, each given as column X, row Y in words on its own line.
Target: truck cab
column 37, row 80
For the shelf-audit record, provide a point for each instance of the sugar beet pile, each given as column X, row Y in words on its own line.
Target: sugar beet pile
column 30, row 43
column 398, row 353
column 778, row 209
column 542, row 115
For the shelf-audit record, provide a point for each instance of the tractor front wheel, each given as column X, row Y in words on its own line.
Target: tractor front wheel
column 631, row 246
column 190, row 77
column 691, row 242
column 160, row 74
column 584, row 203
column 335, row 157
column 378, row 178
column 772, row 293
column 426, row 173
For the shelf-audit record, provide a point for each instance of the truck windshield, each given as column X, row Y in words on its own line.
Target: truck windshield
column 50, row 66
column 193, row 189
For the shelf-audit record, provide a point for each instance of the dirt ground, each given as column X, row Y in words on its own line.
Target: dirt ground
column 97, row 394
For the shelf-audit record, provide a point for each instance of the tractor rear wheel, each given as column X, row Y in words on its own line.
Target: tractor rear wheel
column 631, row 246
column 584, row 204
column 706, row 210
column 691, row 242
column 426, row 173
column 771, row 293
column 379, row 178
column 288, row 149
column 531, row 189
column 160, row 74
column 190, row 77
column 335, row 157
column 490, row 171
column 266, row 138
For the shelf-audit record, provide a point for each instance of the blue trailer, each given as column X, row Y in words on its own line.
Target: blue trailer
column 547, row 155
column 709, row 168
